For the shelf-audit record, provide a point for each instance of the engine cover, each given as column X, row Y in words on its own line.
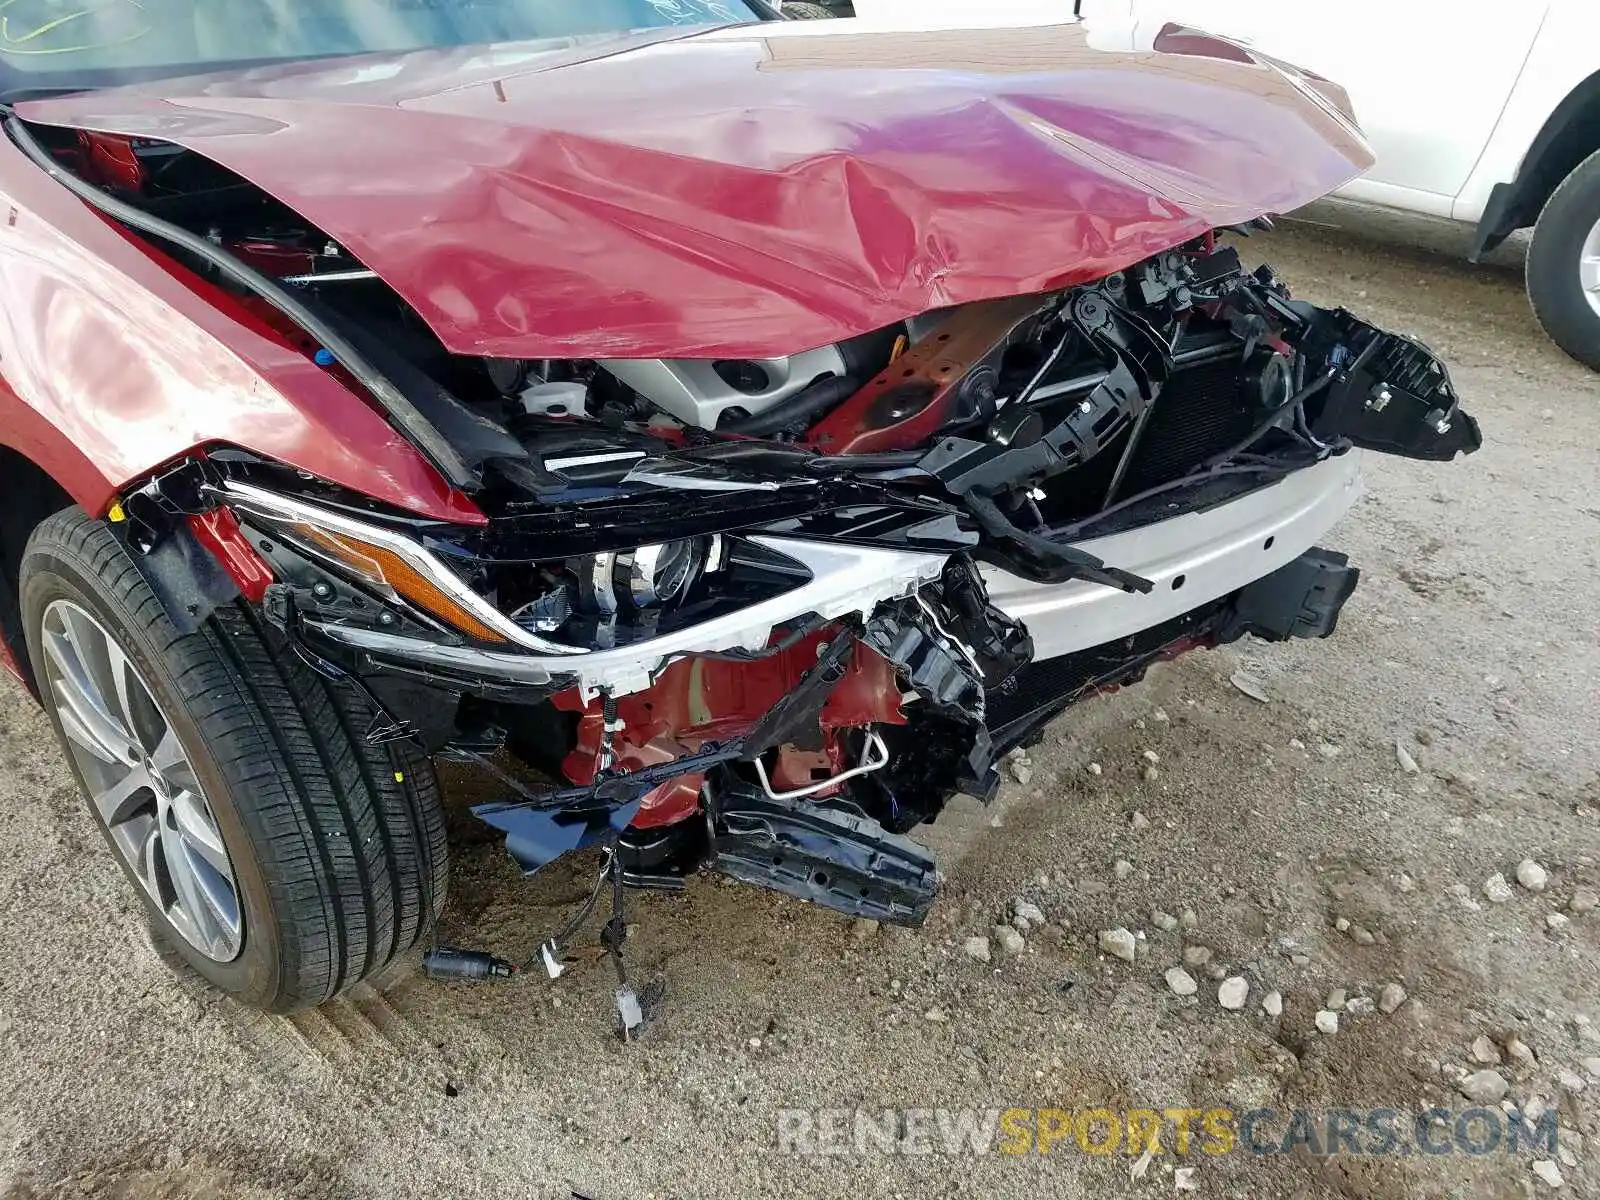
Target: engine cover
column 697, row 393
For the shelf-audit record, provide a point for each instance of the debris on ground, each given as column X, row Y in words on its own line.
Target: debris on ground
column 1119, row 943
column 1485, row 1087
column 1009, row 940
column 1532, row 876
column 1251, row 687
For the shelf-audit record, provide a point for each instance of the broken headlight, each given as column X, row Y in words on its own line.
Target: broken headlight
column 389, row 565
column 573, row 605
column 613, row 598
column 657, row 576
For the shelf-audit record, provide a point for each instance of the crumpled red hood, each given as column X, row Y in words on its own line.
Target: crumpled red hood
column 751, row 191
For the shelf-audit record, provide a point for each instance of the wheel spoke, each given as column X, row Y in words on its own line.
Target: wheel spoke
column 126, row 796
column 199, row 832
column 124, row 687
column 147, row 860
column 190, row 895
column 85, row 719
column 168, row 755
column 83, row 731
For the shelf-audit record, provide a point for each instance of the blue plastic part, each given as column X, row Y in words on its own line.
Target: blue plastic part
column 323, row 357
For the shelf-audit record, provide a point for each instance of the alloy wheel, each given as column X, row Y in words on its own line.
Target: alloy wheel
column 1589, row 268
column 141, row 782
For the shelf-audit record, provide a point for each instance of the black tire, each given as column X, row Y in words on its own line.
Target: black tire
column 803, row 10
column 337, row 845
column 1554, row 286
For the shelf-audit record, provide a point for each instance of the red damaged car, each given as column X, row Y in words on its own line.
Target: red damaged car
column 734, row 433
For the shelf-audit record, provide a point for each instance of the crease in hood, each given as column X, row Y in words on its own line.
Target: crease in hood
column 753, row 191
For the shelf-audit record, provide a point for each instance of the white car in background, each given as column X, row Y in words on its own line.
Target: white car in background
column 1481, row 113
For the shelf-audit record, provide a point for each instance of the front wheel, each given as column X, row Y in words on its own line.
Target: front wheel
column 277, row 850
column 1564, row 265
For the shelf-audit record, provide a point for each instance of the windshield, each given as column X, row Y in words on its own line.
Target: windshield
column 71, row 44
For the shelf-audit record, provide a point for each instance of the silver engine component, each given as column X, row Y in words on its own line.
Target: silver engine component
column 691, row 390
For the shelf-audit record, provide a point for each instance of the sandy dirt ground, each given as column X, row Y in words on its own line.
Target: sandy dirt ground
column 1310, row 858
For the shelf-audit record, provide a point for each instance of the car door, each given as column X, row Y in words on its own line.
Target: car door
column 1429, row 78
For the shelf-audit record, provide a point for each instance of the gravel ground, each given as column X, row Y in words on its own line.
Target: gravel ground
column 1309, row 856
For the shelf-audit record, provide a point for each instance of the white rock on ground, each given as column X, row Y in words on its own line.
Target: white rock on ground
column 1196, row 956
column 1272, row 1004
column 1009, row 940
column 1548, row 1172
column 1119, row 943
column 1163, row 921
column 978, row 948
column 1139, row 822
column 1181, row 982
column 1497, row 889
column 1390, row 998
column 1485, row 1051
column 1517, row 1050
column 1327, row 1021
column 1028, row 911
column 1532, row 876
column 1571, row 1080
column 1557, row 922
column 1335, row 1000
column 1485, row 1087
column 1592, row 1065
column 1122, row 868
column 1584, row 900
column 1407, row 763
column 1359, row 1006
column 1233, row 993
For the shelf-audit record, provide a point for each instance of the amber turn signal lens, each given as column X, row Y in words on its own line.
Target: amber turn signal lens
column 388, row 572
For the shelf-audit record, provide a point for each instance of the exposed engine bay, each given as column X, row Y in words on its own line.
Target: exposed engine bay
column 735, row 611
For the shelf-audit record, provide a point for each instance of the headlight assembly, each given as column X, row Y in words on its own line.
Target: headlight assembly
column 567, row 606
column 394, row 567
column 615, row 598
